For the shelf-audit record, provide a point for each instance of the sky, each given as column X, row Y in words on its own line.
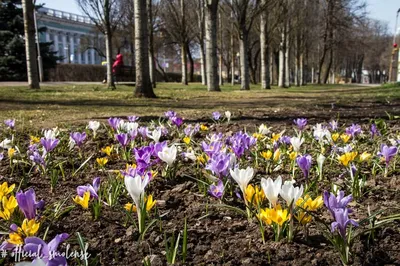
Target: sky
column 379, row 9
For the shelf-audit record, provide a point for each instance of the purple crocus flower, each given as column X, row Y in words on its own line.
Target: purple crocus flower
column 114, row 122
column 216, row 115
column 143, row 131
column 49, row 144
column 374, row 131
column 342, row 221
column 217, row 190
column 170, row 114
column 304, row 162
column 219, row 164
column 212, row 148
column 301, row 123
column 10, row 123
column 333, row 202
column 387, row 153
column 1, row 156
column 177, row 121
column 133, row 118
column 334, row 125
column 46, row 252
column 285, row 140
column 92, row 189
column 27, row 203
column 78, row 138
column 37, row 158
column 353, row 130
column 123, row 139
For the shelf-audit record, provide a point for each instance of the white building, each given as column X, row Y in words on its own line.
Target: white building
column 66, row 31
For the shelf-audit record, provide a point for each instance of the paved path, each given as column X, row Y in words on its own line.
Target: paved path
column 63, row 83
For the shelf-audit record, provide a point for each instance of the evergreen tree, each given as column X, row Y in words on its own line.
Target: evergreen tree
column 12, row 45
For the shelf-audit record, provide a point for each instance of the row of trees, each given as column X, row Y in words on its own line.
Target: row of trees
column 280, row 42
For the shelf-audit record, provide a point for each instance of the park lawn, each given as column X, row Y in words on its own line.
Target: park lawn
column 76, row 104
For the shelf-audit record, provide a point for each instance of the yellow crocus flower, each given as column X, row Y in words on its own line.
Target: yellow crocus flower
column 149, row 204
column 345, row 137
column 293, row 155
column 335, row 137
column 254, row 195
column 258, row 136
column 29, row 227
column 265, row 216
column 186, row 140
column 8, row 206
column 279, row 216
column 348, row 157
column 303, row 218
column 266, row 155
column 365, row 156
column 275, row 137
column 203, row 128
column 5, row 189
column 15, row 238
column 11, row 152
column 34, row 140
column 107, row 150
column 309, row 204
column 277, row 155
column 83, row 201
column 102, row 161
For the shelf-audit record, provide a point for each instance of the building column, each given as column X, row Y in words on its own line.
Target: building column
column 72, row 48
column 65, row 47
column 92, row 54
column 79, row 53
column 47, row 36
column 55, row 44
column 86, row 55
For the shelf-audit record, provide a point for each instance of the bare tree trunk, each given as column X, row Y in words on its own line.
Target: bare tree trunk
column 201, row 25
column 110, row 79
column 287, row 54
column 31, row 62
column 233, row 55
column 244, row 60
column 184, row 64
column 144, row 87
column 191, row 63
column 211, row 10
column 203, row 64
column 265, row 53
column 152, row 66
column 221, row 49
column 281, row 79
column 183, row 48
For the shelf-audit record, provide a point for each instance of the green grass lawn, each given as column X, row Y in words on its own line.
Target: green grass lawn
column 74, row 104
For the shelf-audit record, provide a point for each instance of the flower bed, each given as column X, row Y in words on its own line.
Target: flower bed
column 129, row 193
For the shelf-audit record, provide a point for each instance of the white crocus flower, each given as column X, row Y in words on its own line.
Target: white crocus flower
column 321, row 132
column 291, row 193
column 228, row 115
column 168, row 155
column 131, row 126
column 6, row 144
column 155, row 135
column 272, row 189
column 242, row 177
column 135, row 187
column 94, row 126
column 264, row 130
column 320, row 161
column 296, row 143
column 50, row 134
column 190, row 155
